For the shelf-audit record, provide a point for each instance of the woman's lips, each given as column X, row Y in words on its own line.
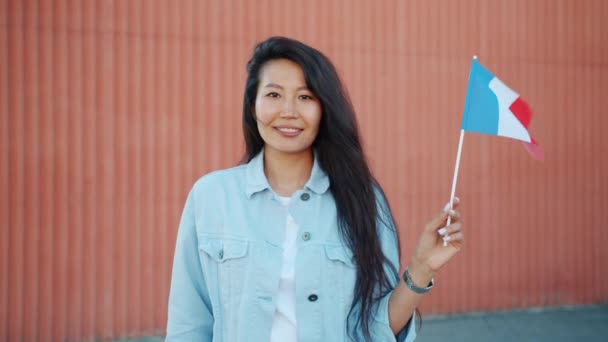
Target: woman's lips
column 288, row 131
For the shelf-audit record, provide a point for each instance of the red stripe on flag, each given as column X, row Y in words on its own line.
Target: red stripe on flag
column 521, row 111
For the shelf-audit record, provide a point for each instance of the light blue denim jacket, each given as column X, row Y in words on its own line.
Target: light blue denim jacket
column 228, row 260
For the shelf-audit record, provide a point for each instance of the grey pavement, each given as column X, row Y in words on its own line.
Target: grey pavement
column 576, row 323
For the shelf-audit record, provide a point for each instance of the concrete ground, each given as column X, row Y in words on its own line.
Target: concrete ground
column 580, row 323
column 577, row 323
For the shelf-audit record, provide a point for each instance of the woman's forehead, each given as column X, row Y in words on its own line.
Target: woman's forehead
column 282, row 74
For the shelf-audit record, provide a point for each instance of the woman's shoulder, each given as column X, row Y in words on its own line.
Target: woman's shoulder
column 220, row 180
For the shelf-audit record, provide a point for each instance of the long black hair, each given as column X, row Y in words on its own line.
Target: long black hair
column 339, row 152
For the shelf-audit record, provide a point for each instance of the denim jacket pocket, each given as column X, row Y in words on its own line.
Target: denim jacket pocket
column 222, row 250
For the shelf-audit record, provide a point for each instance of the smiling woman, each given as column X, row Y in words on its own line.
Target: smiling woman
column 298, row 243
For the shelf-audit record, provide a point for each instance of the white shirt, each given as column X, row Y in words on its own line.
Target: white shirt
column 284, row 320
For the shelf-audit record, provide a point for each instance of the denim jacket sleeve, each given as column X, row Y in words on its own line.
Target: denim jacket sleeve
column 388, row 239
column 190, row 316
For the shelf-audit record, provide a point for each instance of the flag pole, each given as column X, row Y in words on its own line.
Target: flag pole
column 455, row 180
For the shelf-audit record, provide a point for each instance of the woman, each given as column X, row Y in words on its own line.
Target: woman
column 298, row 243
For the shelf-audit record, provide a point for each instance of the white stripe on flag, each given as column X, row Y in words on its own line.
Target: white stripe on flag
column 508, row 124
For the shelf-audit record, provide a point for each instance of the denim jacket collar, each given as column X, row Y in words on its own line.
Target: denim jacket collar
column 257, row 181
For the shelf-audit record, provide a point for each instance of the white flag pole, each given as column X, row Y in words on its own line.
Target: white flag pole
column 455, row 180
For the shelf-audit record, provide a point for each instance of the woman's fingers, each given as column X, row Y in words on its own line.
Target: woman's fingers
column 454, row 217
column 454, row 204
column 441, row 219
column 437, row 222
column 456, row 237
column 451, row 229
column 454, row 214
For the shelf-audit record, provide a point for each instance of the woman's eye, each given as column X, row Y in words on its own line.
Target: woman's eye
column 273, row 94
column 305, row 97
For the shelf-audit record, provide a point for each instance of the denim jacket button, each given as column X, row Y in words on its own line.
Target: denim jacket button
column 306, row 236
column 313, row 298
column 305, row 196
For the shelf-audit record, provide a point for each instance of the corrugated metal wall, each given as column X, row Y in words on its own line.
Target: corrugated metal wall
column 111, row 109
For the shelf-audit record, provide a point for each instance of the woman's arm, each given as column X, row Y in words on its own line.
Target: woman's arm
column 429, row 257
column 403, row 301
column 190, row 316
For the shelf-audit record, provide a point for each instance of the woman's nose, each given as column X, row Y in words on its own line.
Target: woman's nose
column 289, row 109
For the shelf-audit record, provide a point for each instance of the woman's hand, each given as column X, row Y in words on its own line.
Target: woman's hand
column 431, row 254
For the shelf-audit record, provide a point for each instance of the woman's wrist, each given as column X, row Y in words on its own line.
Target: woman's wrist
column 420, row 274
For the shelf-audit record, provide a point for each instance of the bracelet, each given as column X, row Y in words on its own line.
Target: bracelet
column 410, row 284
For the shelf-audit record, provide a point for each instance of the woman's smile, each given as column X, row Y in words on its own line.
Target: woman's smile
column 289, row 131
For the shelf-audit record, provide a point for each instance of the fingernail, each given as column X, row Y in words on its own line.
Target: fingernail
column 447, row 238
column 452, row 212
column 442, row 231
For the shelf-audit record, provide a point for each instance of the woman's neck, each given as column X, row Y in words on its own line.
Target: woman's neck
column 287, row 172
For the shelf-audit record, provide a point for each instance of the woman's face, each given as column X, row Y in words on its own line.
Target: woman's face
column 287, row 112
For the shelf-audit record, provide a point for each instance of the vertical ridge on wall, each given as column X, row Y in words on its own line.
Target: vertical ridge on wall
column 47, row 202
column 90, row 284
column 4, row 172
column 121, row 37
column 135, row 36
column 104, row 121
column 76, row 181
column 31, row 186
column 154, row 149
column 16, row 171
column 163, row 94
column 142, row 117
column 47, row 173
column 61, row 240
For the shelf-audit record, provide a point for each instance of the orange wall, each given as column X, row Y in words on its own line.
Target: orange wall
column 109, row 111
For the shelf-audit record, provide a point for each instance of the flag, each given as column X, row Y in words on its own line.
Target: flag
column 495, row 109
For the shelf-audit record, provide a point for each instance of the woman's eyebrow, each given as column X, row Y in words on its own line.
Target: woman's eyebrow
column 274, row 85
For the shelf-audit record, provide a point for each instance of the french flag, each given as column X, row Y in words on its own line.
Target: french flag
column 493, row 108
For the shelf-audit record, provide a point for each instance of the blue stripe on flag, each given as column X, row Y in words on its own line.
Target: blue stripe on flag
column 481, row 105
